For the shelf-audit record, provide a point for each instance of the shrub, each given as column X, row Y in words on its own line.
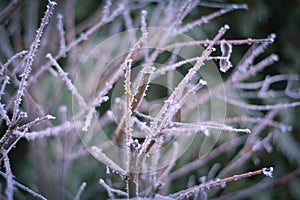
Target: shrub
column 140, row 87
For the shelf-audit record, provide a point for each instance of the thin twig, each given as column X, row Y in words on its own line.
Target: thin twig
column 9, row 177
column 262, row 107
column 25, row 188
column 251, row 190
column 128, row 112
column 4, row 67
column 60, row 28
column 206, row 19
column 206, row 42
column 80, row 190
column 35, row 122
column 110, row 190
column 67, row 126
column 68, row 82
column 203, row 160
column 221, row 182
column 97, row 152
column 30, row 58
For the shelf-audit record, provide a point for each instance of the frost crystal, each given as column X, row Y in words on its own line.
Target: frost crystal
column 226, row 26
column 107, row 170
column 226, row 50
column 203, row 82
column 23, row 115
column 88, row 120
column 268, row 171
column 50, row 117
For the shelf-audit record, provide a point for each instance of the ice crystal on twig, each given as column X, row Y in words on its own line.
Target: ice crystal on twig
column 9, row 177
column 30, row 58
column 226, row 50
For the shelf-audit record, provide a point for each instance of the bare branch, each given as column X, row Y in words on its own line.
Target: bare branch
column 30, row 57
column 221, row 182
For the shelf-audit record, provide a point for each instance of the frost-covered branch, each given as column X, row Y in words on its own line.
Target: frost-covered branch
column 221, row 182
column 30, row 58
column 68, row 82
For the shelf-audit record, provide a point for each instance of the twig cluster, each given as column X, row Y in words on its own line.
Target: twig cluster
column 56, row 104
